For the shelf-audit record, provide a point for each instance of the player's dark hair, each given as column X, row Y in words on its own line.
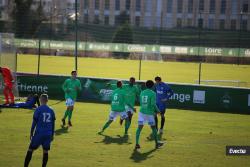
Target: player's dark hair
column 72, row 72
column 44, row 96
column 149, row 84
column 0, row 69
column 132, row 78
column 119, row 84
column 157, row 78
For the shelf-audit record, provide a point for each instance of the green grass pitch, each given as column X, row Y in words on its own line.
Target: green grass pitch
column 116, row 68
column 193, row 139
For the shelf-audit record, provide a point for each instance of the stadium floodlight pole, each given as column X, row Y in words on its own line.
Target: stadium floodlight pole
column 39, row 56
column 199, row 45
column 86, row 31
column 239, row 38
column 76, row 34
column 39, row 42
column 140, row 57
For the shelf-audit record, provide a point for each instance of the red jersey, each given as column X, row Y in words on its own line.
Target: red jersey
column 7, row 76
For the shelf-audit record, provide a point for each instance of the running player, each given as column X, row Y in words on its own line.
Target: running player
column 71, row 86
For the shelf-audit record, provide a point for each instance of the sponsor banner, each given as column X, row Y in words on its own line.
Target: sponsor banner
column 199, row 97
column 185, row 96
column 213, row 51
column 249, row 100
column 26, row 43
column 247, row 52
column 165, row 49
column 181, row 50
column 117, row 47
column 135, row 48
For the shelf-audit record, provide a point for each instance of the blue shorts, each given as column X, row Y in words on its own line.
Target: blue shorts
column 162, row 107
column 40, row 139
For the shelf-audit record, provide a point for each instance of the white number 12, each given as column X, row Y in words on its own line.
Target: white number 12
column 46, row 117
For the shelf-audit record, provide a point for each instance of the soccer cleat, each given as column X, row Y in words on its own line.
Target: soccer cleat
column 6, row 104
column 150, row 137
column 63, row 122
column 160, row 131
column 137, row 146
column 100, row 132
column 159, row 144
column 69, row 123
column 126, row 135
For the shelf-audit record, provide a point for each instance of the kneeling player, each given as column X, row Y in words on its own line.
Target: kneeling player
column 147, row 112
column 117, row 108
column 44, row 123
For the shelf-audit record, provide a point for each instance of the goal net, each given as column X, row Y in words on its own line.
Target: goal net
column 150, row 56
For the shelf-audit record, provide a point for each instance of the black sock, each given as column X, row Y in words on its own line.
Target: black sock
column 162, row 122
column 45, row 159
column 156, row 122
column 28, row 158
column 130, row 116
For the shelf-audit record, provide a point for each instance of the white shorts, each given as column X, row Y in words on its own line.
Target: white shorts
column 144, row 118
column 69, row 102
column 129, row 109
column 114, row 114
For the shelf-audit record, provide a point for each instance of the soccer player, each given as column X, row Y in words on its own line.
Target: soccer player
column 132, row 92
column 118, row 108
column 30, row 102
column 8, row 82
column 44, row 125
column 71, row 86
column 148, row 110
column 163, row 93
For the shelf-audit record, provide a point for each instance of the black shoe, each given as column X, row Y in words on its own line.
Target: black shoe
column 100, row 132
column 69, row 123
column 159, row 144
column 63, row 122
column 11, row 104
column 137, row 146
column 150, row 137
column 6, row 104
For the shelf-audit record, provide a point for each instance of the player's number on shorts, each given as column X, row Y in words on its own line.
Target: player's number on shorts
column 46, row 117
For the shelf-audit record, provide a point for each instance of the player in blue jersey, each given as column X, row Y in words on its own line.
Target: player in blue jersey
column 42, row 130
column 163, row 93
column 30, row 102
